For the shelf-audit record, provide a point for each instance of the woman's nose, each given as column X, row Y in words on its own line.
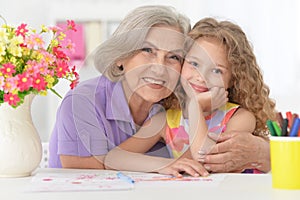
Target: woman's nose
column 157, row 68
column 159, row 64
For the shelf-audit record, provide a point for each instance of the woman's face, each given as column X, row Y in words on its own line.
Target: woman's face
column 153, row 72
column 206, row 66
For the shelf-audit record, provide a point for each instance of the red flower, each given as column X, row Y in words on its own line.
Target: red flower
column 21, row 30
column 73, row 84
column 62, row 68
column 76, row 81
column 11, row 99
column 58, row 53
column 71, row 25
column 39, row 83
column 24, row 81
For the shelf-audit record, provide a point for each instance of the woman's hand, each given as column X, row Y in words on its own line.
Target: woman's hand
column 235, row 152
column 186, row 165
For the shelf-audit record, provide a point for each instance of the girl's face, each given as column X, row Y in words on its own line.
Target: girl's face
column 153, row 72
column 206, row 66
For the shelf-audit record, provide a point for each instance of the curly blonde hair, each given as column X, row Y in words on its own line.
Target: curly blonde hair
column 248, row 88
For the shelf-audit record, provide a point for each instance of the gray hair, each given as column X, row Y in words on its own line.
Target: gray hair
column 131, row 33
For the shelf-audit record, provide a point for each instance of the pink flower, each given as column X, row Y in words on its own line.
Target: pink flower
column 70, row 46
column 11, row 99
column 48, row 57
column 30, row 66
column 8, row 69
column 10, row 84
column 34, row 40
column 55, row 29
column 41, row 68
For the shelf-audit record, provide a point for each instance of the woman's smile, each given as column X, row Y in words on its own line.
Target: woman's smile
column 154, row 83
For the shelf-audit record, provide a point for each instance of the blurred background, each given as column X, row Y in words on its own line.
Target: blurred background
column 272, row 26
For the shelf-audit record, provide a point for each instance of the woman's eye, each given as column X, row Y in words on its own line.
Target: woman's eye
column 147, row 49
column 177, row 58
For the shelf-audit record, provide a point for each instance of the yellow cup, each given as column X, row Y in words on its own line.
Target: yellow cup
column 285, row 162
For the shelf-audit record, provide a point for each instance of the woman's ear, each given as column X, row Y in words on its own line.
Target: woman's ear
column 119, row 63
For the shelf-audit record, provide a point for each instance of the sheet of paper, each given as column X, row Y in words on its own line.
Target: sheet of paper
column 153, row 179
column 78, row 181
column 105, row 180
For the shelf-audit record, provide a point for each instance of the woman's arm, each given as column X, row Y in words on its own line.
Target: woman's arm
column 238, row 149
column 235, row 151
column 141, row 142
column 77, row 125
column 91, row 162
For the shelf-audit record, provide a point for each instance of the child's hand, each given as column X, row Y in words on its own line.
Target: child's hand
column 186, row 165
column 212, row 99
column 219, row 97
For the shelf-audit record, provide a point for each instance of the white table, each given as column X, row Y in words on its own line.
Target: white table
column 234, row 186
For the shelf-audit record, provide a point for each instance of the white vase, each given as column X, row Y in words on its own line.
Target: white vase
column 20, row 144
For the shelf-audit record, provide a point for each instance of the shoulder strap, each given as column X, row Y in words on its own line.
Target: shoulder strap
column 173, row 117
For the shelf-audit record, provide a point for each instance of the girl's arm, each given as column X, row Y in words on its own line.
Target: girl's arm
column 197, row 128
column 148, row 135
column 242, row 120
column 129, row 155
column 203, row 102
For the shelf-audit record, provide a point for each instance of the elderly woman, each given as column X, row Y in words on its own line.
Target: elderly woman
column 141, row 64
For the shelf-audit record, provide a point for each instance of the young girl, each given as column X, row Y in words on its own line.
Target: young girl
column 220, row 59
column 234, row 63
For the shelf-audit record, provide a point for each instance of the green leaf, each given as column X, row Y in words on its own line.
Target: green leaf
column 52, row 90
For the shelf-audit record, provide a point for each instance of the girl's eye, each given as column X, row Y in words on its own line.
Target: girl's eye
column 195, row 64
column 217, row 71
column 147, row 49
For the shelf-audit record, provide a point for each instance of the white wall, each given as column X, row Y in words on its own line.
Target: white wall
column 272, row 26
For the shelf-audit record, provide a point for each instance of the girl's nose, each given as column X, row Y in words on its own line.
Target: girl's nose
column 200, row 76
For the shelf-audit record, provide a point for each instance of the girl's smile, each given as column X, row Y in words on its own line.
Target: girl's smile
column 198, row 88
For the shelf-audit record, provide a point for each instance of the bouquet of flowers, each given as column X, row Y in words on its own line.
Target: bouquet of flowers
column 30, row 64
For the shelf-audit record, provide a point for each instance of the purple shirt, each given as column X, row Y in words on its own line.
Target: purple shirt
column 92, row 119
